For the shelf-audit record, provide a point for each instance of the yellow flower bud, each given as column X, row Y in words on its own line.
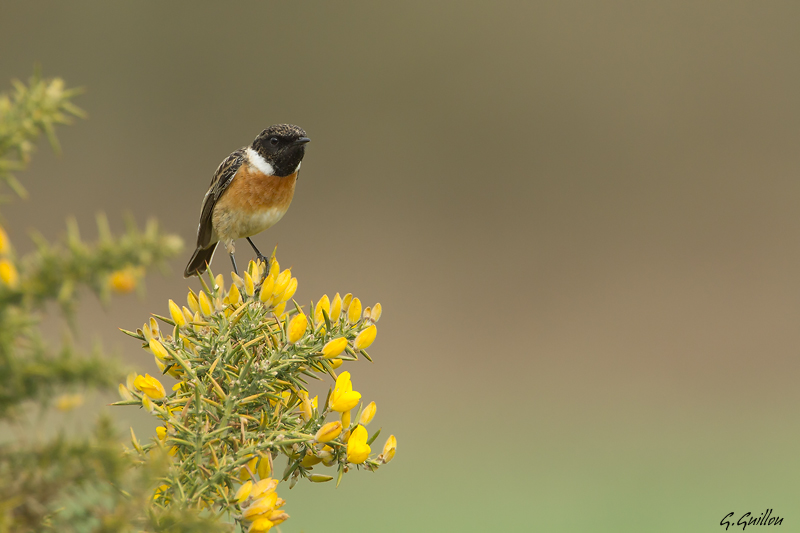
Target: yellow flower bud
column 161, row 432
column 334, row 347
column 150, row 386
column 328, row 432
column 8, row 273
column 354, row 311
column 346, row 419
column 346, row 301
column 236, row 279
column 279, row 310
column 158, row 350
column 336, row 363
column 130, row 379
column 367, row 314
column 264, row 468
column 248, row 468
column 191, row 299
column 389, row 449
column 319, row 478
column 336, row 308
column 5, row 246
column 310, row 460
column 274, row 267
column 265, row 296
column 148, row 404
column 187, row 314
column 305, row 405
column 197, row 319
column 219, row 283
column 234, row 297
column 244, row 492
column 125, row 279
column 368, row 414
column 68, row 402
column 357, row 448
column 205, row 305
column 290, row 290
column 124, row 393
column 282, row 282
column 297, row 327
column 343, row 398
column 323, row 304
column 249, row 286
column 154, row 327
column 376, row 312
column 176, row 314
column 365, row 338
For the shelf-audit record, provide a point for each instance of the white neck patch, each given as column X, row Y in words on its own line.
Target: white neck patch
column 259, row 162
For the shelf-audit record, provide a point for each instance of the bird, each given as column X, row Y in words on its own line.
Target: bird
column 249, row 193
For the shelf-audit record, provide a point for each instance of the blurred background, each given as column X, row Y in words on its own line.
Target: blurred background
column 580, row 219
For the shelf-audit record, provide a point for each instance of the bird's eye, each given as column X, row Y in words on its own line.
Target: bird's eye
column 273, row 141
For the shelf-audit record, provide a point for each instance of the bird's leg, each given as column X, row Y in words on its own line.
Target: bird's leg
column 231, row 252
column 258, row 254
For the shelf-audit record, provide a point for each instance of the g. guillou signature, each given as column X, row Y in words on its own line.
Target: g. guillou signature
column 747, row 519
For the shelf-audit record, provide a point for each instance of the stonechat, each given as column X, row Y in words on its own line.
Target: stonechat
column 250, row 192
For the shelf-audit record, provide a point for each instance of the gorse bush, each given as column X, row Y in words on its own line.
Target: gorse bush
column 243, row 360
column 243, row 357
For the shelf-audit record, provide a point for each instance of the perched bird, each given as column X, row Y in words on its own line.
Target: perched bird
column 250, row 192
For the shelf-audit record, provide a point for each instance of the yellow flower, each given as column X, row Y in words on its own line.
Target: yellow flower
column 125, row 279
column 334, row 347
column 260, row 525
column 274, row 267
column 310, row 460
column 261, row 506
column 264, row 487
column 336, row 363
column 389, row 449
column 150, row 386
column 265, row 296
column 5, row 246
column 8, row 273
column 176, row 314
column 368, row 414
column 290, row 290
column 205, row 305
column 328, row 432
column 191, row 299
column 336, row 308
column 354, row 311
column 297, row 327
column 187, row 315
column 249, row 286
column 343, row 398
column 323, row 304
column 247, row 468
column 161, row 432
column 244, row 492
column 357, row 447
column 277, row 516
column 68, row 402
column 365, row 338
column 234, row 296
column 158, row 350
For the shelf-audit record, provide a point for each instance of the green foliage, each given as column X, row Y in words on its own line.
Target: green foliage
column 25, row 114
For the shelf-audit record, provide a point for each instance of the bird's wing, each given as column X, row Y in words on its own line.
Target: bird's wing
column 219, row 183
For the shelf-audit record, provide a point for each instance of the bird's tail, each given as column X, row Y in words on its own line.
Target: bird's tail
column 199, row 261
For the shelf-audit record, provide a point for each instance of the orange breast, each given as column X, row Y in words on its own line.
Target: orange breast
column 252, row 203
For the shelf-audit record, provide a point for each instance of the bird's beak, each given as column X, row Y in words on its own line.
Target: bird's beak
column 301, row 141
